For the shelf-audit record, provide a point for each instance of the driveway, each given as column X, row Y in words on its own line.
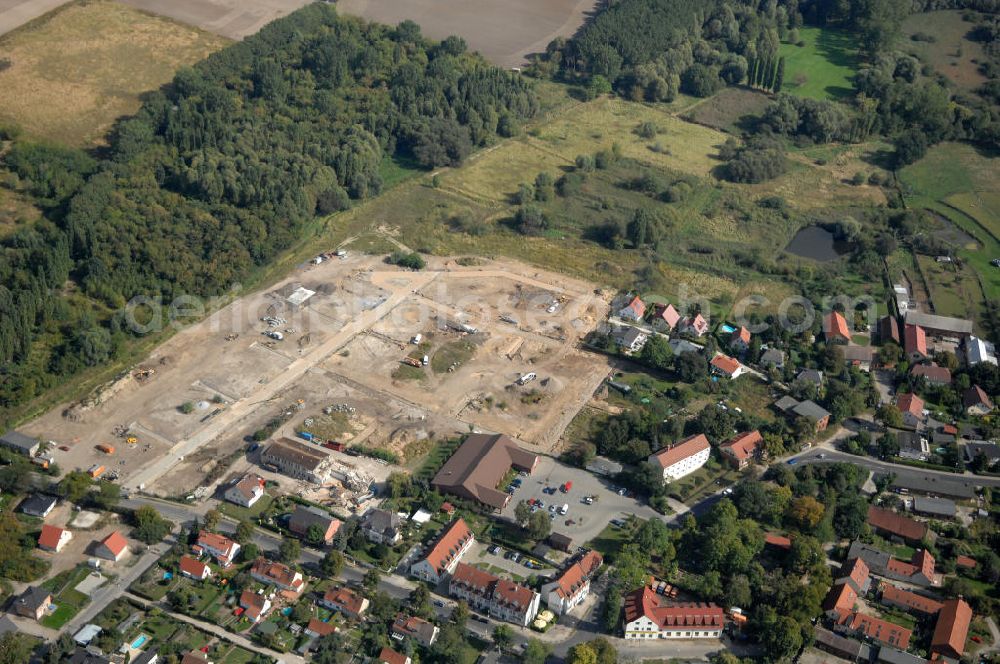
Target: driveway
column 587, row 521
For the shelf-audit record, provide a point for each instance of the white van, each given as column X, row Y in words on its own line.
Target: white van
column 564, row 509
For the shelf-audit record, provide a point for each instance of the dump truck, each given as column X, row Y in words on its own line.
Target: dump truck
column 413, row 362
column 107, row 449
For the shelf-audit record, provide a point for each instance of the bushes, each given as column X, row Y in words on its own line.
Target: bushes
column 530, row 220
column 700, row 80
column 374, row 452
column 762, row 158
column 412, row 260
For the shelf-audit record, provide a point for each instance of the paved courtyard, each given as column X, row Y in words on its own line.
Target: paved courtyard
column 582, row 522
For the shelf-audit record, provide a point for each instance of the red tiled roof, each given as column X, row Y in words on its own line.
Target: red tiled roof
column 881, row 630
column 857, row 571
column 910, row 403
column 779, row 541
column 667, row 314
column 741, row 334
column 247, row 484
column 901, row 567
column 576, row 575
column 345, row 598
column 894, row 595
column 952, row 628
column 317, row 626
column 924, row 561
column 253, row 603
column 473, row 578
column 668, row 456
column 195, row 568
column 897, row 524
column 390, row 656
column 966, row 562
column 50, row 537
column 115, row 543
column 510, row 594
column 914, row 339
column 976, row 396
column 448, row 544
column 932, row 372
column 637, row 306
column 840, row 599
column 725, row 364
column 835, row 326
column 645, row 602
column 276, row 573
column 215, row 541
column 744, row 445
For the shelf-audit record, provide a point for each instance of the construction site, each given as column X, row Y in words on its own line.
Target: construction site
column 347, row 351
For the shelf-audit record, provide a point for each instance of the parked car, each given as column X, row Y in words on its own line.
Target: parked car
column 438, row 602
column 792, row 462
column 495, row 550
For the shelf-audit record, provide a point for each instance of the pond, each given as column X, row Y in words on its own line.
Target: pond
column 816, row 243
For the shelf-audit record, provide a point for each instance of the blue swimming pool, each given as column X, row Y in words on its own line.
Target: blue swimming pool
column 287, row 611
column 727, row 328
column 139, row 641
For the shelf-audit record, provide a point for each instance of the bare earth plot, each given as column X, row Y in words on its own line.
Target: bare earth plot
column 343, row 347
column 504, row 32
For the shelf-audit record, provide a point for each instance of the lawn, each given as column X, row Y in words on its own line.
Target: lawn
column 249, row 513
column 74, row 73
column 610, row 540
column 823, row 66
column 958, row 182
column 67, row 600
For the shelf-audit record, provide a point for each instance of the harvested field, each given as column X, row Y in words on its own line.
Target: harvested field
column 75, row 72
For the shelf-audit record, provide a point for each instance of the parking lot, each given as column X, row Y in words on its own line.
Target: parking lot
column 581, row 522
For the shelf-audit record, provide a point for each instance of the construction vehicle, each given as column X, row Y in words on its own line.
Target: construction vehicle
column 96, row 471
column 131, row 440
column 107, row 449
column 413, row 362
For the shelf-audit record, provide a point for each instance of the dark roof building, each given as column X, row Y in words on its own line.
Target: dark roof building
column 475, row 469
column 840, row 646
column 990, row 451
column 17, row 441
column 941, row 508
column 934, row 485
column 888, row 330
column 38, row 504
column 940, row 325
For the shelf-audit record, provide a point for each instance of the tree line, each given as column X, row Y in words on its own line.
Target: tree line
column 222, row 169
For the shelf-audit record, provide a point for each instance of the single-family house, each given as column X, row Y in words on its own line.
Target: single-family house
column 912, row 445
column 345, row 601
column 313, row 524
column 990, row 452
column 317, row 628
column 38, row 504
column 694, row 325
column 911, row 407
column 681, row 459
column 812, row 411
column 629, row 339
column 53, row 539
column 739, row 341
column 246, row 491
column 978, row 351
column 277, row 574
column 835, row 329
column 976, row 401
column 221, row 548
column 390, row 656
column 194, row 569
column 114, row 547
column 741, row 450
column 411, row 627
column 665, row 317
column 382, row 526
column 634, row 310
column 723, row 365
column 255, row 605
column 32, row 603
column 772, row 357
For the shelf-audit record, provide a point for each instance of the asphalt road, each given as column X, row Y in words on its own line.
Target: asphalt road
column 869, row 463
